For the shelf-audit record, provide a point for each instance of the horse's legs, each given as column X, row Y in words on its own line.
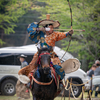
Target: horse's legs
column 34, row 98
column 51, row 99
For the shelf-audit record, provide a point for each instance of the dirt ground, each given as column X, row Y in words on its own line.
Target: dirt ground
column 57, row 98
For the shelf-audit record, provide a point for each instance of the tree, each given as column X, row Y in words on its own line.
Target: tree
column 88, row 45
column 10, row 11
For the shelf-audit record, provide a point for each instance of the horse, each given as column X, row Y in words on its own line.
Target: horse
column 44, row 86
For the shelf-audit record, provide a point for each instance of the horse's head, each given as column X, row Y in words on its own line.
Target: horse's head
column 44, row 59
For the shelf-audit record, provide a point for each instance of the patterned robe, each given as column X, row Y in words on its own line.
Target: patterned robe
column 49, row 41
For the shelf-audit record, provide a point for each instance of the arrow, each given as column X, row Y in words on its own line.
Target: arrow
column 69, row 29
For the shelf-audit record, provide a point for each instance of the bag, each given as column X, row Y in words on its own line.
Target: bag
column 22, row 91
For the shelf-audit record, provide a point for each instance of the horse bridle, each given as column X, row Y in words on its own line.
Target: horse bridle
column 44, row 53
column 42, row 83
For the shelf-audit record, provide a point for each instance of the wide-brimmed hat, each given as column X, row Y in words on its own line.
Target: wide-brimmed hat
column 48, row 21
column 71, row 65
column 22, row 56
column 24, row 79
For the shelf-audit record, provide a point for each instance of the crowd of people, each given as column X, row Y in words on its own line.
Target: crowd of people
column 94, row 71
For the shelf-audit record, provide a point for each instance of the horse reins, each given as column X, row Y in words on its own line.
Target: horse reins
column 42, row 83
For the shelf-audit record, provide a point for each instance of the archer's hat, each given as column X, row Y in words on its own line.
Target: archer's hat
column 22, row 56
column 48, row 21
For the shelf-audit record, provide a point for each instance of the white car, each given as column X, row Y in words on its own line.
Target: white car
column 10, row 65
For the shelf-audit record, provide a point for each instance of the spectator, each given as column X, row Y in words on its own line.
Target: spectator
column 22, row 60
column 90, row 74
column 96, row 73
column 21, row 90
column 91, row 71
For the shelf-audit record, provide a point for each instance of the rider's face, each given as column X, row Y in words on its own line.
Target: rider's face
column 51, row 29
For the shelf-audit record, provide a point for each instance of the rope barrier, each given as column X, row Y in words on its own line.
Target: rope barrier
column 79, row 84
column 65, row 83
column 70, row 88
column 90, row 95
column 73, row 94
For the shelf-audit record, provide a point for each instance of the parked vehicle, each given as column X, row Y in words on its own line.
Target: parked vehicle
column 10, row 65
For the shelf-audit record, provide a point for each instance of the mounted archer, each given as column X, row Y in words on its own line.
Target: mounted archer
column 45, row 37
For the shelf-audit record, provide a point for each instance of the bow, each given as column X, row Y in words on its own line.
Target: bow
column 70, row 12
column 71, row 28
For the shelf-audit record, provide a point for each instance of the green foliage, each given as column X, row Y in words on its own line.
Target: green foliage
column 2, row 42
column 10, row 11
column 88, row 19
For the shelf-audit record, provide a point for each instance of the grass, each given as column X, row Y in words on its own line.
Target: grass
column 57, row 98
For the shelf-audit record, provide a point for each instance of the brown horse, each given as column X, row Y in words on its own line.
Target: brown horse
column 44, row 88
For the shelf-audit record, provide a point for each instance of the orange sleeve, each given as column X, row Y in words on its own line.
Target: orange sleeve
column 60, row 35
column 55, row 36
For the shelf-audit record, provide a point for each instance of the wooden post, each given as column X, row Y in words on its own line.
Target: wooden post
column 82, row 93
column 70, row 88
column 90, row 90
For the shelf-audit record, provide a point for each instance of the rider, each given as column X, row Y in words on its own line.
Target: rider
column 45, row 36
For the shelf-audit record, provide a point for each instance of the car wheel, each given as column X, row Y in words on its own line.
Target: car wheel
column 8, row 87
column 76, row 90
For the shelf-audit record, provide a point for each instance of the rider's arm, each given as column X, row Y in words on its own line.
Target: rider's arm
column 55, row 36
column 62, row 35
column 33, row 32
